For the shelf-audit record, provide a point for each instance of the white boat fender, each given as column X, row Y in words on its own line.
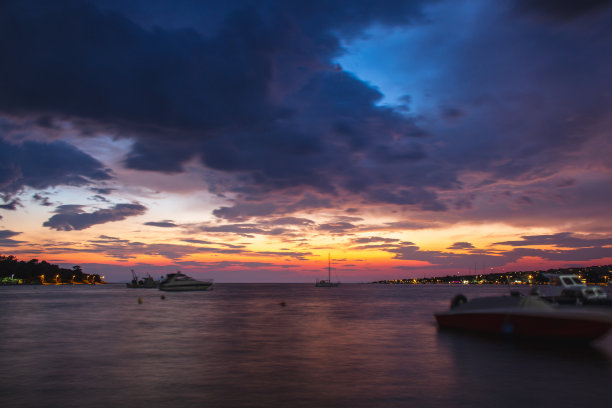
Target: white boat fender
column 458, row 301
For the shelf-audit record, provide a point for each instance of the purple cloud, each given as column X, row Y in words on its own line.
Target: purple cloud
column 11, row 205
column 246, row 230
column 374, row 239
column 256, row 93
column 161, row 224
column 44, row 201
column 6, row 238
column 72, row 217
column 562, row 240
column 461, row 245
column 304, row 222
column 40, row 165
column 252, row 98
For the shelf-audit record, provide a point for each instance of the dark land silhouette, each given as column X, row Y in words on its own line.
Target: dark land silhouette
column 33, row 272
column 595, row 275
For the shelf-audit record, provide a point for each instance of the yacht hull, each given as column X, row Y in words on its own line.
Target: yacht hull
column 179, row 282
column 186, row 288
column 581, row 327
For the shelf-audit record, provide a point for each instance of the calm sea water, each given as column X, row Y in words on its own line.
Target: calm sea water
column 351, row 346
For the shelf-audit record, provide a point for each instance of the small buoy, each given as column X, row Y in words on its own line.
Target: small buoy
column 283, row 304
column 140, row 301
column 163, row 297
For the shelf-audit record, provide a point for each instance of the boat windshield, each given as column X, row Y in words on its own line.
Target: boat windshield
column 571, row 281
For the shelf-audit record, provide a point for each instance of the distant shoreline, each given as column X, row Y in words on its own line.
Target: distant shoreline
column 591, row 275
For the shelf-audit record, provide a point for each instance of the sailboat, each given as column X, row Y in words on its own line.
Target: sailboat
column 327, row 283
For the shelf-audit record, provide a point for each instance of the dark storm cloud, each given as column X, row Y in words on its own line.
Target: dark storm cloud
column 563, row 9
column 450, row 112
column 72, row 217
column 258, row 96
column 252, row 89
column 41, row 165
column 530, row 92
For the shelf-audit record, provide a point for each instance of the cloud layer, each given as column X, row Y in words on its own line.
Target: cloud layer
column 260, row 97
column 73, row 217
column 40, row 165
column 258, row 94
column 451, row 113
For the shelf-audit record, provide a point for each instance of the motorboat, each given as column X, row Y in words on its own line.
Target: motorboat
column 570, row 289
column 179, row 282
column 144, row 283
column 525, row 316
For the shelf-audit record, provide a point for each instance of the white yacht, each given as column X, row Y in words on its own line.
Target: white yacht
column 179, row 282
column 570, row 289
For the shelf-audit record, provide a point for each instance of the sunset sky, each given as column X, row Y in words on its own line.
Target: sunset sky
column 246, row 140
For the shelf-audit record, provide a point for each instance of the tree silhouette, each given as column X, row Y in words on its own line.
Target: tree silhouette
column 35, row 272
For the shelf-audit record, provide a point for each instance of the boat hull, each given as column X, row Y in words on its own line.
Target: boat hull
column 186, row 288
column 327, row 284
column 142, row 286
column 541, row 326
column 179, row 282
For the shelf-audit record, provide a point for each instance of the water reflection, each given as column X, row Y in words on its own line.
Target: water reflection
column 352, row 346
column 506, row 373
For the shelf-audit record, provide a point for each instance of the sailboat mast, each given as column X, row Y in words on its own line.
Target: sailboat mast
column 329, row 267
